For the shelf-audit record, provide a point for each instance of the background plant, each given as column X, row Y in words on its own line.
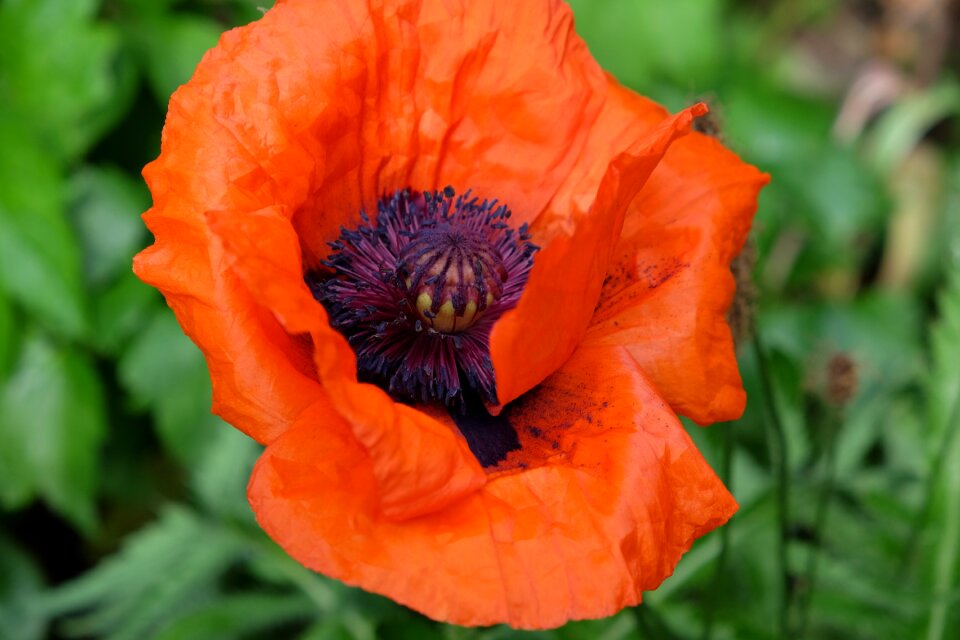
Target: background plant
column 122, row 512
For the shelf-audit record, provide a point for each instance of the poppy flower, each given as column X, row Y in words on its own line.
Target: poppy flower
column 459, row 282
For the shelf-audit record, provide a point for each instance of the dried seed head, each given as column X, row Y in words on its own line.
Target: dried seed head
column 740, row 315
column 841, row 379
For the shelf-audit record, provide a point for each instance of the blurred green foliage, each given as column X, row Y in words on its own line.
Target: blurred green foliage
column 122, row 512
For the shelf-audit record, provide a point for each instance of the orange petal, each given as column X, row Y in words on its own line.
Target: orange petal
column 321, row 107
column 245, row 347
column 602, row 519
column 670, row 285
column 262, row 376
column 531, row 341
column 421, row 464
column 325, row 106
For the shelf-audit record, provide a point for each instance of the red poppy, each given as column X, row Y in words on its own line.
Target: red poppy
column 480, row 430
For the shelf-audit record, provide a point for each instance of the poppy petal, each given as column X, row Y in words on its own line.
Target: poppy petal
column 582, row 536
column 336, row 103
column 321, row 107
column 245, row 347
column 421, row 464
column 670, row 285
column 535, row 338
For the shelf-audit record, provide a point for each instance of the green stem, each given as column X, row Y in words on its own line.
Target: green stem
column 821, row 512
column 777, row 444
column 726, row 474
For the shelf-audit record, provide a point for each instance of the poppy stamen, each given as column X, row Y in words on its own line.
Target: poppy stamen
column 417, row 291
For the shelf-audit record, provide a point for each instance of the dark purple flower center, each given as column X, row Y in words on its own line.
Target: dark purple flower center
column 417, row 291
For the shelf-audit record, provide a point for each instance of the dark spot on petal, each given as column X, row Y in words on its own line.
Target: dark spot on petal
column 490, row 438
column 657, row 274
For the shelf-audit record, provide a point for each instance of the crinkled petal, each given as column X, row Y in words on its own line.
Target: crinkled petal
column 333, row 103
column 601, row 519
column 321, row 107
column 530, row 342
column 421, row 464
column 263, row 377
column 670, row 285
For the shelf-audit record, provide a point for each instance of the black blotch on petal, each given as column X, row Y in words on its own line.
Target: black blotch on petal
column 490, row 438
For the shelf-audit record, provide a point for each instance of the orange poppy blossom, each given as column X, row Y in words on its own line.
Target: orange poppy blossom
column 468, row 395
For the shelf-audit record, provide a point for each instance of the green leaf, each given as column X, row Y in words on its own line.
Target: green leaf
column 840, row 197
column 359, row 613
column 249, row 10
column 53, row 426
column 154, row 7
column 622, row 626
column 165, row 372
column 409, row 628
column 639, row 41
column 855, row 602
column 63, row 76
column 943, row 383
column 171, row 45
column 39, row 258
column 868, row 420
column 105, row 207
column 329, row 629
column 503, row 632
column 240, row 616
column 223, row 471
column 908, row 120
column 122, row 310
column 881, row 330
column 825, row 210
column 944, row 425
column 20, row 582
column 226, row 12
column 905, row 440
column 775, row 128
column 272, row 565
column 8, row 336
column 164, row 571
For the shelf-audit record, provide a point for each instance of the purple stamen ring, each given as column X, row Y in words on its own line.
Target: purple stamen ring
column 417, row 291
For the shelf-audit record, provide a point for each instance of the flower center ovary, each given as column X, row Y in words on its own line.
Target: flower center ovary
column 452, row 274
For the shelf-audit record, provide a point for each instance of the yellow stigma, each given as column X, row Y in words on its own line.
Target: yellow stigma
column 446, row 319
